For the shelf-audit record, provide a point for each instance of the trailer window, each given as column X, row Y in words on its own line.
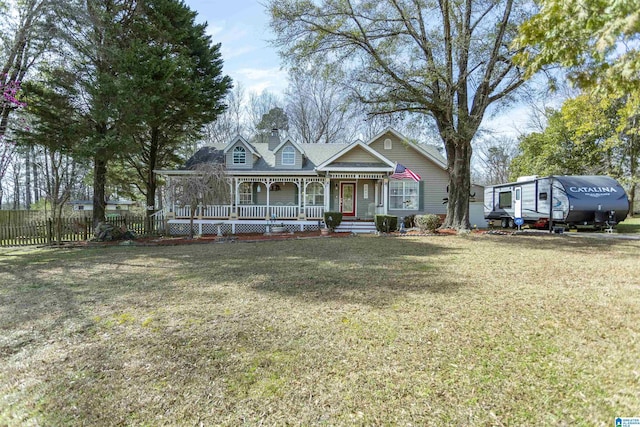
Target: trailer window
column 504, row 200
column 542, row 196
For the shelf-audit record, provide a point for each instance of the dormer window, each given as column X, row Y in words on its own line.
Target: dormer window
column 288, row 156
column 239, row 156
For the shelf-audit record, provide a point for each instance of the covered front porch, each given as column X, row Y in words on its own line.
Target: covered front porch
column 359, row 196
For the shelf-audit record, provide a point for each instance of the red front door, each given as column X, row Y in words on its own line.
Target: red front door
column 348, row 199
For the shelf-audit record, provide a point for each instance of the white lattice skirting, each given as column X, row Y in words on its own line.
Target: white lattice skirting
column 204, row 227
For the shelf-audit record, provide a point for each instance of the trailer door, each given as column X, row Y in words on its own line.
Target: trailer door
column 517, row 211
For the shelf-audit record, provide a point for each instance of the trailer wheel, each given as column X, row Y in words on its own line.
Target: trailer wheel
column 504, row 222
column 512, row 223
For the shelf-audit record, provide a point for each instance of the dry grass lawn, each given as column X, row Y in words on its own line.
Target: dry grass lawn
column 476, row 330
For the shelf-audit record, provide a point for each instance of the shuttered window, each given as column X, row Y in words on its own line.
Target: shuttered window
column 404, row 195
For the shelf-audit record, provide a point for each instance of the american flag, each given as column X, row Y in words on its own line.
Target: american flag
column 401, row 172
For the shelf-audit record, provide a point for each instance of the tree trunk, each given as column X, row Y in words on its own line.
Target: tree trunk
column 16, row 189
column 99, row 184
column 459, row 168
column 151, row 196
column 27, row 178
column 151, row 182
column 34, row 171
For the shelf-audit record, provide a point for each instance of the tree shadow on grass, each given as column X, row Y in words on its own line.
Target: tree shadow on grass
column 59, row 299
column 364, row 270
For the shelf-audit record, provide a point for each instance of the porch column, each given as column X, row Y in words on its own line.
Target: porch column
column 231, row 195
column 327, row 194
column 170, row 199
column 385, row 195
column 301, row 190
column 268, row 184
column 236, row 183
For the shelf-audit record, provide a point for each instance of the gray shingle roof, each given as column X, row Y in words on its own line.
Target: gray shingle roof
column 315, row 155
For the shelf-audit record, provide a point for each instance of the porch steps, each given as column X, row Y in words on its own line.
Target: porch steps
column 359, row 227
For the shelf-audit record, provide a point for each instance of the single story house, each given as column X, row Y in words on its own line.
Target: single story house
column 293, row 184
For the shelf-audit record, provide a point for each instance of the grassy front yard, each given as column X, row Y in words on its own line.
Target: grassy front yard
column 629, row 225
column 477, row 330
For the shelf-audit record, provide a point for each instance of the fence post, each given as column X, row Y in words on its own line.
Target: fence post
column 49, row 231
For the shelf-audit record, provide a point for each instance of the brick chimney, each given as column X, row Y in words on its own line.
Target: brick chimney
column 274, row 139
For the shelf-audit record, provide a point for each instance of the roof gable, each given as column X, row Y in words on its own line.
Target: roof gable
column 365, row 151
column 288, row 141
column 424, row 150
column 239, row 139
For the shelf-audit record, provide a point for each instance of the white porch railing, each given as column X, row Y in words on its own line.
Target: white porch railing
column 284, row 211
column 250, row 211
column 184, row 211
column 314, row 211
column 216, row 211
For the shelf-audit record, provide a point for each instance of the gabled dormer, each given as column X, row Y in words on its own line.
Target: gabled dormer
column 240, row 154
column 288, row 155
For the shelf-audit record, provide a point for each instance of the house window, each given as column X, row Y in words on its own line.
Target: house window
column 404, row 195
column 288, row 156
column 387, row 144
column 80, row 207
column 239, row 156
column 245, row 193
column 314, row 194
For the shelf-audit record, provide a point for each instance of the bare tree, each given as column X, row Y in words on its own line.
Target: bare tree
column 231, row 122
column 495, row 155
column 60, row 175
column 318, row 110
column 25, row 35
column 207, row 184
column 258, row 106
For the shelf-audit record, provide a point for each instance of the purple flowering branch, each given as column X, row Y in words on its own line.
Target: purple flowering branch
column 8, row 100
column 9, row 90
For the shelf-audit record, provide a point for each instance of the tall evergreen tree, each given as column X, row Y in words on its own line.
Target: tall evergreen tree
column 95, row 33
column 170, row 85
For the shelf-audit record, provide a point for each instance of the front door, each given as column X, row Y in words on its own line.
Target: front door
column 348, row 199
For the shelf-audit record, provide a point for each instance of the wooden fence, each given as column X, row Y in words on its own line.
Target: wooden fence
column 73, row 229
column 18, row 217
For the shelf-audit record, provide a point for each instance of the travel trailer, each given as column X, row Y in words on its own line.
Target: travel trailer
column 597, row 201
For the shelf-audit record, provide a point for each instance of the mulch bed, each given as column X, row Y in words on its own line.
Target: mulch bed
column 184, row 240
column 242, row 237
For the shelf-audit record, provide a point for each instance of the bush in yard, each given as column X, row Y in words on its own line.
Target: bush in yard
column 332, row 219
column 409, row 221
column 386, row 223
column 428, row 222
